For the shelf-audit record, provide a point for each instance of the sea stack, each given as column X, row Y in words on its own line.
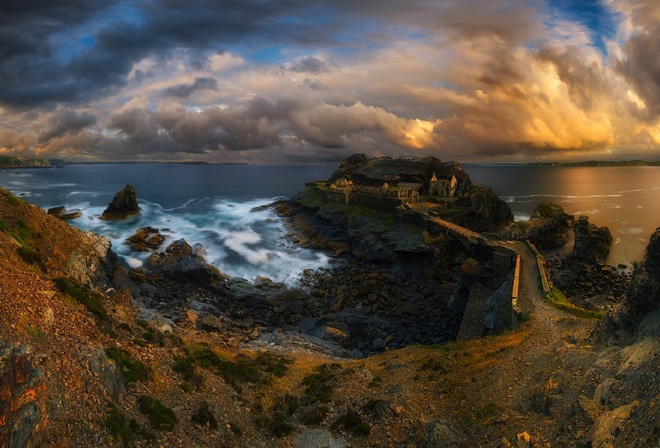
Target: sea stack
column 123, row 205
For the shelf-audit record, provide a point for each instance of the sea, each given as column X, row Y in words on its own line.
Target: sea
column 214, row 205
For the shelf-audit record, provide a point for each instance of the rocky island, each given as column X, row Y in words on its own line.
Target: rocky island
column 440, row 325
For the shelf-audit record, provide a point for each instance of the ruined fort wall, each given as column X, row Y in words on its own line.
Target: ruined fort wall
column 377, row 202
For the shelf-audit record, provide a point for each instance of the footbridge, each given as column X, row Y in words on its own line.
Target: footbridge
column 503, row 275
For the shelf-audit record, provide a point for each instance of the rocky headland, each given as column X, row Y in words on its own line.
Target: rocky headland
column 93, row 353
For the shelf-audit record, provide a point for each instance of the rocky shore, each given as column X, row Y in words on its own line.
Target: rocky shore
column 93, row 353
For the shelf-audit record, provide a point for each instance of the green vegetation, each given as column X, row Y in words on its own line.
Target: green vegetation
column 244, row 369
column 557, row 299
column 83, row 295
column 352, row 422
column 204, row 417
column 35, row 331
column 131, row 369
column 160, row 416
column 116, row 425
column 357, row 210
column 318, row 384
column 20, row 162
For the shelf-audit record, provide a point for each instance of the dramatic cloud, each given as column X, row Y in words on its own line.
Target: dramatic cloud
column 304, row 81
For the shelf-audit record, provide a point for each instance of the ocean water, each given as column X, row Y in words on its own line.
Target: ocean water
column 211, row 205
column 625, row 199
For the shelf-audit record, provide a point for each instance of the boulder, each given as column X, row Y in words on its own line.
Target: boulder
column 146, row 239
column 182, row 261
column 123, row 205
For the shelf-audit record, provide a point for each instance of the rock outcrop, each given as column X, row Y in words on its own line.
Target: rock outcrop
column 364, row 171
column 592, row 243
column 123, row 205
column 547, row 228
column 583, row 275
column 484, row 211
column 182, row 261
column 23, row 411
column 62, row 213
column 643, row 296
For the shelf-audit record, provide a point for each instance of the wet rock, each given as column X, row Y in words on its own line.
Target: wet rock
column 124, row 205
column 184, row 262
column 146, row 239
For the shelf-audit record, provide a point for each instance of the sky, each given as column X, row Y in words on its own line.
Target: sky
column 313, row 81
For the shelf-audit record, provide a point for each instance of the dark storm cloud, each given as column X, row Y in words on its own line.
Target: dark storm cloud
column 310, row 64
column 183, row 91
column 37, row 69
column 66, row 121
column 640, row 65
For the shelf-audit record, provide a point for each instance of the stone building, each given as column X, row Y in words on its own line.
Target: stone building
column 443, row 187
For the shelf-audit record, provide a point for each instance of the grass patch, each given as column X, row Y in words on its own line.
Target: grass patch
column 82, row 294
column 127, row 433
column 13, row 200
column 160, row 416
column 131, row 369
column 35, row 331
column 243, row 370
column 557, row 299
column 319, row 385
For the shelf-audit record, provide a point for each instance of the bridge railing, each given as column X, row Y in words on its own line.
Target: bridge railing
column 543, row 271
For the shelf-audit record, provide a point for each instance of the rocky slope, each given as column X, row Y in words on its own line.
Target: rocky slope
column 179, row 355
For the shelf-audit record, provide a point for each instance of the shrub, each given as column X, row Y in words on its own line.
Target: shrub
column 318, row 384
column 82, row 294
column 116, row 425
column 160, row 417
column 131, row 369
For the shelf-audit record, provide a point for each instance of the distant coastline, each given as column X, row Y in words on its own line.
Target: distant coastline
column 7, row 162
column 598, row 163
